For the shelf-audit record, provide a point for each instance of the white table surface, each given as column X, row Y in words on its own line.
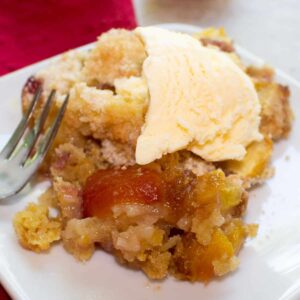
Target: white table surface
column 268, row 28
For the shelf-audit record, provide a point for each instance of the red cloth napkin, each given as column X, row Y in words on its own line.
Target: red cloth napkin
column 37, row 29
column 33, row 30
column 3, row 294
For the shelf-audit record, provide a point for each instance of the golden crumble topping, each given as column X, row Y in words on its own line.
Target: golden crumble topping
column 103, row 114
column 274, row 98
column 276, row 113
column 117, row 54
column 36, row 230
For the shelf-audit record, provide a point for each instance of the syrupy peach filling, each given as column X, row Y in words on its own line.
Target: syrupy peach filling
column 134, row 185
column 189, row 211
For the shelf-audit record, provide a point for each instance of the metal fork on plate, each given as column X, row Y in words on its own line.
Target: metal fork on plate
column 27, row 146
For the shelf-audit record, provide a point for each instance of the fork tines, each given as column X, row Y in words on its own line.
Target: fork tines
column 27, row 140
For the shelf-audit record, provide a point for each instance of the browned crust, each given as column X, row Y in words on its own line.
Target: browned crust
column 265, row 73
column 222, row 45
column 276, row 113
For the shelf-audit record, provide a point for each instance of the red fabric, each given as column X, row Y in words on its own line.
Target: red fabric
column 37, row 29
column 3, row 294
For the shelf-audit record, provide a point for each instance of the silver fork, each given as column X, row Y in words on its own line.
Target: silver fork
column 18, row 163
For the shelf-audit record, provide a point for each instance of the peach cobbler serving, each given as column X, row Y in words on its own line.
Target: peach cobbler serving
column 163, row 137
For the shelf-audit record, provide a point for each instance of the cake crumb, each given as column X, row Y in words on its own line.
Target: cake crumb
column 35, row 229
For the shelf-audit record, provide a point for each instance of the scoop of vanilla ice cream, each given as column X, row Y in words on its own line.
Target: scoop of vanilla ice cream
column 200, row 100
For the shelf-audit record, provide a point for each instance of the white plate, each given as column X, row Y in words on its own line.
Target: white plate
column 270, row 263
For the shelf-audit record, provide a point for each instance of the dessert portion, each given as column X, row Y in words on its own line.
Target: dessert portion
column 162, row 139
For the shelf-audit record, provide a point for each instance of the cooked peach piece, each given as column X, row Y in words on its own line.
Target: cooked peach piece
column 108, row 187
column 254, row 163
column 195, row 262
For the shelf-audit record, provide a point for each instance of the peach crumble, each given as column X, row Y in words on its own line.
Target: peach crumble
column 179, row 211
